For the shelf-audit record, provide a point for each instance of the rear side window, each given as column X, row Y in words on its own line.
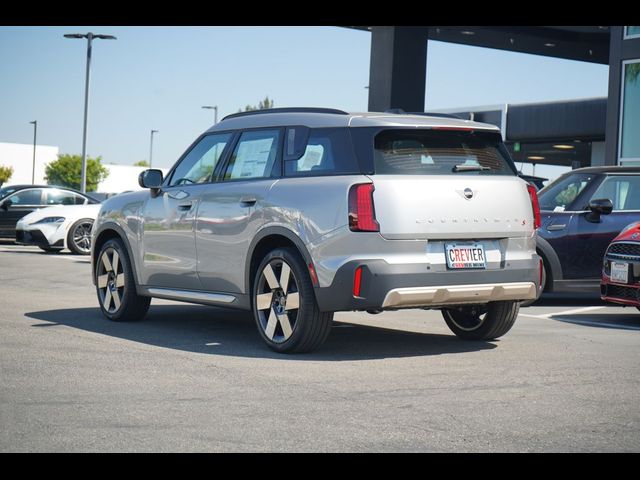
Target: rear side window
column 328, row 152
column 439, row 152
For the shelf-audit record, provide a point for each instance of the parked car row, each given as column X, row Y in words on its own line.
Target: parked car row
column 49, row 217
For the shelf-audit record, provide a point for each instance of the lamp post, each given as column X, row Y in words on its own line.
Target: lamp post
column 33, row 169
column 215, row 112
column 89, row 36
column 151, row 148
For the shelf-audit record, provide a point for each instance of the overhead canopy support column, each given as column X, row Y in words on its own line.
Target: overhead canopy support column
column 397, row 75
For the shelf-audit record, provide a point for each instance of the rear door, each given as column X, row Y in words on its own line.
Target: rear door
column 230, row 212
column 23, row 202
column 443, row 184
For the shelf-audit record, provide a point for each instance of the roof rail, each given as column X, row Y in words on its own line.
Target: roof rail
column 288, row 110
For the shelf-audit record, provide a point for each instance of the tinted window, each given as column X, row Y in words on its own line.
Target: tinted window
column 561, row 193
column 62, row 197
column 6, row 191
column 622, row 190
column 439, row 152
column 254, row 155
column 32, row 196
column 198, row 165
column 328, row 151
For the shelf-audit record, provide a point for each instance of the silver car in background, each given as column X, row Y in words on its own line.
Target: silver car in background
column 298, row 213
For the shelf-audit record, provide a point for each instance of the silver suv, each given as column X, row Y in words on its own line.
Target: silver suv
column 297, row 213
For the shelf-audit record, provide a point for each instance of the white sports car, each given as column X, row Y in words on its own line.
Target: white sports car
column 55, row 228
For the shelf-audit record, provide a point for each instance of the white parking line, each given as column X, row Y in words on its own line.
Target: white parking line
column 566, row 312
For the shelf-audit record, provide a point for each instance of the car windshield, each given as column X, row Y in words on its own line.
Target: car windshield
column 558, row 195
column 6, row 191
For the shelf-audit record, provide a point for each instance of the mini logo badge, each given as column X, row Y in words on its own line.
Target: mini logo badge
column 468, row 193
column 635, row 235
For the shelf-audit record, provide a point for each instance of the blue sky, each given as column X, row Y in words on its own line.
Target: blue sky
column 159, row 77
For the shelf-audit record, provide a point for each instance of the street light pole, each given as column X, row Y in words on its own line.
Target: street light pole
column 151, row 148
column 89, row 36
column 33, row 169
column 215, row 112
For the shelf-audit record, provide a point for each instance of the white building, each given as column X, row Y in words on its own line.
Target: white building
column 20, row 156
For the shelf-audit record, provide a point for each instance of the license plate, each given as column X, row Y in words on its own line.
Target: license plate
column 465, row 256
column 620, row 272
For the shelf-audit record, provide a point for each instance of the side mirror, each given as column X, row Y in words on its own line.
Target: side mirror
column 152, row 179
column 6, row 204
column 599, row 206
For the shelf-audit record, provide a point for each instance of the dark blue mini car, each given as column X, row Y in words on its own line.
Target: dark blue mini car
column 582, row 211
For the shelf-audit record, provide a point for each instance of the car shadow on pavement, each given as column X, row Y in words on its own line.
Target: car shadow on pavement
column 216, row 331
column 569, row 300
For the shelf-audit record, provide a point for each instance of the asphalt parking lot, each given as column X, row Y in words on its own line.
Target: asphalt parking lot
column 194, row 378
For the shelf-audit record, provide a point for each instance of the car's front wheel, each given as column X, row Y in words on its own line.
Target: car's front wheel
column 115, row 284
column 284, row 304
column 481, row 322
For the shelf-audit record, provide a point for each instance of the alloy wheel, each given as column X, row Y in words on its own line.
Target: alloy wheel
column 277, row 301
column 82, row 237
column 468, row 318
column 111, row 280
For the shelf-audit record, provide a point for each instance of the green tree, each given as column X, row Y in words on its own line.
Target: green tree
column 66, row 171
column 141, row 163
column 262, row 105
column 5, row 174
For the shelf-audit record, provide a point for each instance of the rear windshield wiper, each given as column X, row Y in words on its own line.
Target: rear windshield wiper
column 469, row 168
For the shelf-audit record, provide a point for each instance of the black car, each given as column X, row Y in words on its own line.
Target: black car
column 16, row 201
column 582, row 211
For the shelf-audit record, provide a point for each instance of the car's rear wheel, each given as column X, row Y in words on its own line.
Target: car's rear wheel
column 284, row 304
column 79, row 237
column 115, row 285
column 481, row 322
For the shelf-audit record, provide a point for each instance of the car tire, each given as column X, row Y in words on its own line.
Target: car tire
column 79, row 237
column 284, row 304
column 482, row 322
column 50, row 249
column 115, row 284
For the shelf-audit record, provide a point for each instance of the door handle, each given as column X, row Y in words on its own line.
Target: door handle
column 248, row 201
column 557, row 226
column 185, row 206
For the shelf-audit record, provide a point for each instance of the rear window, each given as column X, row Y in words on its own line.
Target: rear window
column 440, row 152
column 328, row 151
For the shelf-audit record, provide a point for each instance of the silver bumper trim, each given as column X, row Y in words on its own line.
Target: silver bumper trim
column 457, row 294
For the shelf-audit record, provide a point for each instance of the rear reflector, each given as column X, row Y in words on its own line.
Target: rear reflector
column 533, row 194
column 313, row 275
column 362, row 217
column 357, row 280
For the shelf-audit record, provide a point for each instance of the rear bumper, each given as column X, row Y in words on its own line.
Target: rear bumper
column 387, row 286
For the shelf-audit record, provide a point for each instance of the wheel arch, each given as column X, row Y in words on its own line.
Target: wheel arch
column 265, row 241
column 550, row 258
column 108, row 231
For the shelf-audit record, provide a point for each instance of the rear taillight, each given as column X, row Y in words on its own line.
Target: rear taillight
column 362, row 216
column 533, row 194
